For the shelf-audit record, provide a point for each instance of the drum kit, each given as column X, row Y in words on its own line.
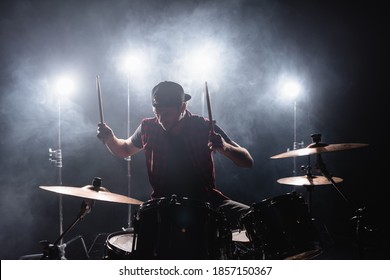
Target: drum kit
column 181, row 228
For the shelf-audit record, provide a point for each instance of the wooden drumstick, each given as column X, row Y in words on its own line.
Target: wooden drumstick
column 209, row 109
column 100, row 100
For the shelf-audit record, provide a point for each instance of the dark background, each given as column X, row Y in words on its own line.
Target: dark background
column 336, row 49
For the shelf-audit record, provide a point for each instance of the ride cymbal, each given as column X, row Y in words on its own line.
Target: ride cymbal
column 308, row 181
column 89, row 191
column 317, row 148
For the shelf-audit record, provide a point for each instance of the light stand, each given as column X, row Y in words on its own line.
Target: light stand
column 56, row 157
column 128, row 159
column 295, row 138
column 296, row 145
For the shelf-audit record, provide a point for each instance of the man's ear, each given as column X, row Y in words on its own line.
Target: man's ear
column 183, row 108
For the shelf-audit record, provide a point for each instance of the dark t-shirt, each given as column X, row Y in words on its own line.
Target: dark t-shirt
column 137, row 141
column 182, row 175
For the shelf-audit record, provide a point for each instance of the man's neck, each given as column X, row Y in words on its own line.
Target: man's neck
column 177, row 128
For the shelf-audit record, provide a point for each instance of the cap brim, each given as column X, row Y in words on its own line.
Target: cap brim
column 186, row 97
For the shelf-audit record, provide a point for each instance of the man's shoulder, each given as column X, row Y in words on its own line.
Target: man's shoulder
column 196, row 118
column 150, row 120
column 149, row 124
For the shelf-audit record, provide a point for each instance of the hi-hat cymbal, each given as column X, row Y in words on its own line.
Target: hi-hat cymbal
column 317, row 148
column 308, row 180
column 90, row 192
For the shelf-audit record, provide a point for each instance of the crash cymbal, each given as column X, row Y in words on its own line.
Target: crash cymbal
column 89, row 191
column 308, row 180
column 317, row 148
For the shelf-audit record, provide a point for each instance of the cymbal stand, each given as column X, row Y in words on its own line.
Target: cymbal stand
column 309, row 188
column 320, row 165
column 359, row 212
column 56, row 250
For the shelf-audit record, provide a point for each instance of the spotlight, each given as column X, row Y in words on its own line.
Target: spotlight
column 290, row 88
column 134, row 63
column 202, row 63
column 64, row 85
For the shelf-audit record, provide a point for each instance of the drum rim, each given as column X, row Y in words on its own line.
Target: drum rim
column 120, row 232
column 117, row 249
column 174, row 200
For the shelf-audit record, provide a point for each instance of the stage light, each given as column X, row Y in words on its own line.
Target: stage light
column 202, row 63
column 134, row 63
column 64, row 85
column 290, row 89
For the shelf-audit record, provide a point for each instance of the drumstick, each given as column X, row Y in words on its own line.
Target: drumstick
column 209, row 109
column 100, row 100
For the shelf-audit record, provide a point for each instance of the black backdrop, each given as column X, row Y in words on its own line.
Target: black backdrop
column 336, row 49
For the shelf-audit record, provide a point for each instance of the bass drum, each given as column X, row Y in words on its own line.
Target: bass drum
column 119, row 245
column 180, row 228
column 281, row 228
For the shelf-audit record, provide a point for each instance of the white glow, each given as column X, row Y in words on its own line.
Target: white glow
column 64, row 85
column 289, row 88
column 135, row 63
column 202, row 63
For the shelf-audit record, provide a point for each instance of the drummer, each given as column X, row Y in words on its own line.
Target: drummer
column 179, row 147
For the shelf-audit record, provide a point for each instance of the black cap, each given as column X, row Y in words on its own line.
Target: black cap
column 167, row 94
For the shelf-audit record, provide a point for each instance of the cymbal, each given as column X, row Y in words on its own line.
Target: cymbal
column 317, row 148
column 89, row 191
column 308, row 181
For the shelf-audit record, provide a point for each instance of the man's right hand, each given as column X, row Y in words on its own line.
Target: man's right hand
column 104, row 133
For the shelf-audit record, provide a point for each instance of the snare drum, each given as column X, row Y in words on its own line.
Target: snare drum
column 180, row 228
column 119, row 245
column 281, row 228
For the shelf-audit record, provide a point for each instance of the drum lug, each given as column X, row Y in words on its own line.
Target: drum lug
column 173, row 199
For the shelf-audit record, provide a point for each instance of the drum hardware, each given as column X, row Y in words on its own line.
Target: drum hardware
column 56, row 251
column 240, row 236
column 317, row 148
column 281, row 228
column 362, row 226
column 180, row 228
column 362, row 230
column 91, row 193
column 120, row 245
column 308, row 181
column 97, row 247
column 241, row 246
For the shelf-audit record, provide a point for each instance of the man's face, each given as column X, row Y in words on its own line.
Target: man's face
column 167, row 117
